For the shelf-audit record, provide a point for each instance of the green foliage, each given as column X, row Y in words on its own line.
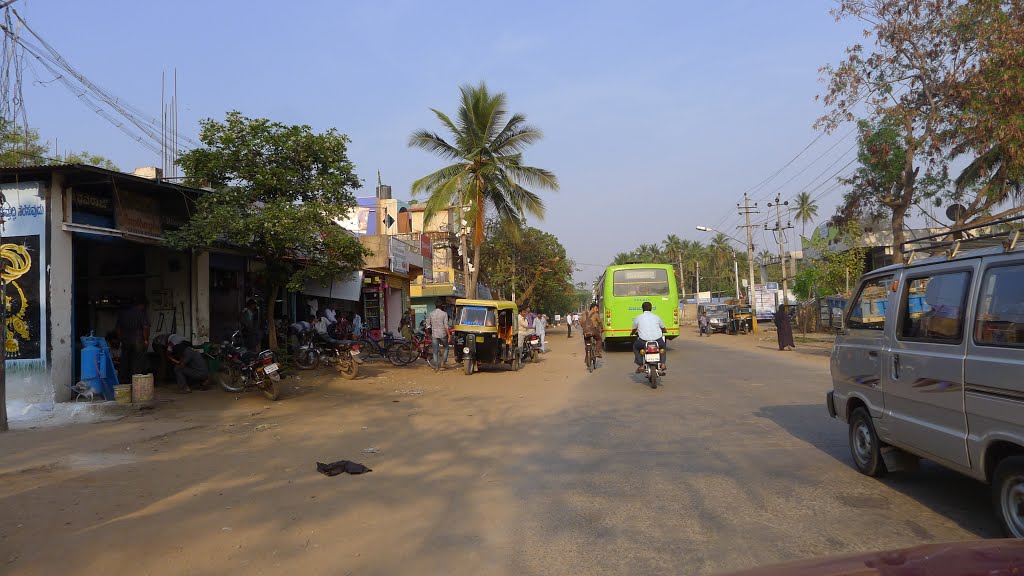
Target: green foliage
column 805, row 209
column 530, row 263
column 88, row 158
column 486, row 171
column 277, row 190
column 828, row 273
column 20, row 147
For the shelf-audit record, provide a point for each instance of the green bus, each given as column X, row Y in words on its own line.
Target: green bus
column 622, row 290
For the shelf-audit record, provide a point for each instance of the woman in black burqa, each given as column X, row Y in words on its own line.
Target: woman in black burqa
column 784, row 328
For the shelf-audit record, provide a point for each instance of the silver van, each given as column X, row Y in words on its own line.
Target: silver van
column 929, row 363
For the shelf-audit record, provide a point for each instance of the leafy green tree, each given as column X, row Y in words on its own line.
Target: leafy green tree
column 86, row 157
column 830, row 272
column 907, row 81
column 20, row 147
column 277, row 191
column 527, row 262
column 805, row 209
column 486, row 176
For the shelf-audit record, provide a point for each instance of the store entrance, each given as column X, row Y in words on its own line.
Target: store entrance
column 111, row 273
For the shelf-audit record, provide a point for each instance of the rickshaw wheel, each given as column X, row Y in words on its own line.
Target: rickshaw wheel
column 468, row 364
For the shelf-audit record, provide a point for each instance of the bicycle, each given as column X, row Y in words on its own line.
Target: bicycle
column 591, row 354
column 396, row 350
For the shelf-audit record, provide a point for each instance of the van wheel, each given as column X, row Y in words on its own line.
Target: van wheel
column 1008, row 495
column 864, row 444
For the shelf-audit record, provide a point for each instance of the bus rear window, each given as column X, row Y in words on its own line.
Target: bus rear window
column 640, row 282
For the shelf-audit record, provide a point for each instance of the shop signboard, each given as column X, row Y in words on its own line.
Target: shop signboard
column 24, row 248
column 399, row 255
column 426, row 250
column 428, row 270
column 137, row 213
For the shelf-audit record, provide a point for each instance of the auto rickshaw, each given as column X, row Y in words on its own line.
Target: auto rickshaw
column 741, row 319
column 486, row 333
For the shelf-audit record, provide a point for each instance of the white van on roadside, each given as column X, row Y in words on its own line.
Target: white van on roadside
column 929, row 363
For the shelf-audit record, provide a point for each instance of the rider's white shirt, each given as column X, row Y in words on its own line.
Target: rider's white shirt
column 648, row 326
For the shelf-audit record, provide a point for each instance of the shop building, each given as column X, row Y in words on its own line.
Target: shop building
column 88, row 242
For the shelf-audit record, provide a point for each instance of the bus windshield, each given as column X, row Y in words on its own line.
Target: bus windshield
column 640, row 282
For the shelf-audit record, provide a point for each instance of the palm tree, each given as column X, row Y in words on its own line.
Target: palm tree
column 673, row 247
column 805, row 209
column 720, row 250
column 649, row 253
column 486, row 173
column 622, row 258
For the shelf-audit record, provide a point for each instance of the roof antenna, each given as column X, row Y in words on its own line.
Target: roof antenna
column 379, row 183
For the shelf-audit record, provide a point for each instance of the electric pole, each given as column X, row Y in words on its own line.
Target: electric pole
column 780, row 235
column 698, row 282
column 747, row 210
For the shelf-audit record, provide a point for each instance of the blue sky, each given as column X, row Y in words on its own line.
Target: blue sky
column 657, row 115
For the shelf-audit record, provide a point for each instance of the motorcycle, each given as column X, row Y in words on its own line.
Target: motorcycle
column 343, row 356
column 244, row 369
column 652, row 361
column 531, row 347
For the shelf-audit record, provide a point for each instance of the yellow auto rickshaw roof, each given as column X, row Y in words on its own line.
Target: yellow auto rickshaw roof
column 498, row 304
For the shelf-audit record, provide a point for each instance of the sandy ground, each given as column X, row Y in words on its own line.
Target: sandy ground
column 548, row 470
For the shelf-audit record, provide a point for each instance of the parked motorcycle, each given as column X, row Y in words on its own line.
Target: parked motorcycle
column 531, row 347
column 343, row 356
column 244, row 369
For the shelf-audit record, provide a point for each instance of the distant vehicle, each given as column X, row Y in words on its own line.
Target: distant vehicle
column 718, row 316
column 622, row 290
column 928, row 364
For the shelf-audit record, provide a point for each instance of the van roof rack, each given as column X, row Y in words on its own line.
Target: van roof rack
column 1007, row 238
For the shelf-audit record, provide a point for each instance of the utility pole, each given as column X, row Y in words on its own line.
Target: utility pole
column 736, row 272
column 697, row 264
column 780, row 235
column 682, row 283
column 747, row 210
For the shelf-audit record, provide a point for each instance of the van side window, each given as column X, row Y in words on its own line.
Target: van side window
column 1000, row 320
column 933, row 307
column 867, row 312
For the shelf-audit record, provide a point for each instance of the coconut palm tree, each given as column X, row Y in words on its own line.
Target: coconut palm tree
column 486, row 176
column 805, row 209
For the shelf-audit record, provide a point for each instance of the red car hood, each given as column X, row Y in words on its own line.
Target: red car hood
column 981, row 557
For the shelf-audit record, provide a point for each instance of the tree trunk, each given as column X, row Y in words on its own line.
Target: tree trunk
column 470, row 293
column 475, row 276
column 271, row 324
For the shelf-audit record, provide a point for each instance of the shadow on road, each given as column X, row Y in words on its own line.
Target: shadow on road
column 957, row 497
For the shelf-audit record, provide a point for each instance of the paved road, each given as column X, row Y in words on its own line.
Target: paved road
column 733, row 463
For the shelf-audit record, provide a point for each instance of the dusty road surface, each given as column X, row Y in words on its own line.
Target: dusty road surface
column 550, row 470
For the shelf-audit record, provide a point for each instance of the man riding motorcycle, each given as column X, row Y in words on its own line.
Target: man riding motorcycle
column 649, row 328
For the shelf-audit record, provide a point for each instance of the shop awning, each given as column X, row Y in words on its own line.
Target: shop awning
column 344, row 290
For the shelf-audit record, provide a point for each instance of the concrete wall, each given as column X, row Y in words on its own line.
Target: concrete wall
column 62, row 345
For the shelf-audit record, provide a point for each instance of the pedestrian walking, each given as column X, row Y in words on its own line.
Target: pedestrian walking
column 568, row 323
column 437, row 324
column 784, row 329
column 405, row 326
column 704, row 324
column 540, row 325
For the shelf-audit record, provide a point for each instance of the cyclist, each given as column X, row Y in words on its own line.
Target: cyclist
column 590, row 325
column 648, row 327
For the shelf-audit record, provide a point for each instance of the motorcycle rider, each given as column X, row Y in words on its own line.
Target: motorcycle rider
column 648, row 327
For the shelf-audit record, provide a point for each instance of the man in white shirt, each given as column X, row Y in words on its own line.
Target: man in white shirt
column 330, row 314
column 648, row 326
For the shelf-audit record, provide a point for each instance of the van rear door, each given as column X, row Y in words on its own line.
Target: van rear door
column 922, row 374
